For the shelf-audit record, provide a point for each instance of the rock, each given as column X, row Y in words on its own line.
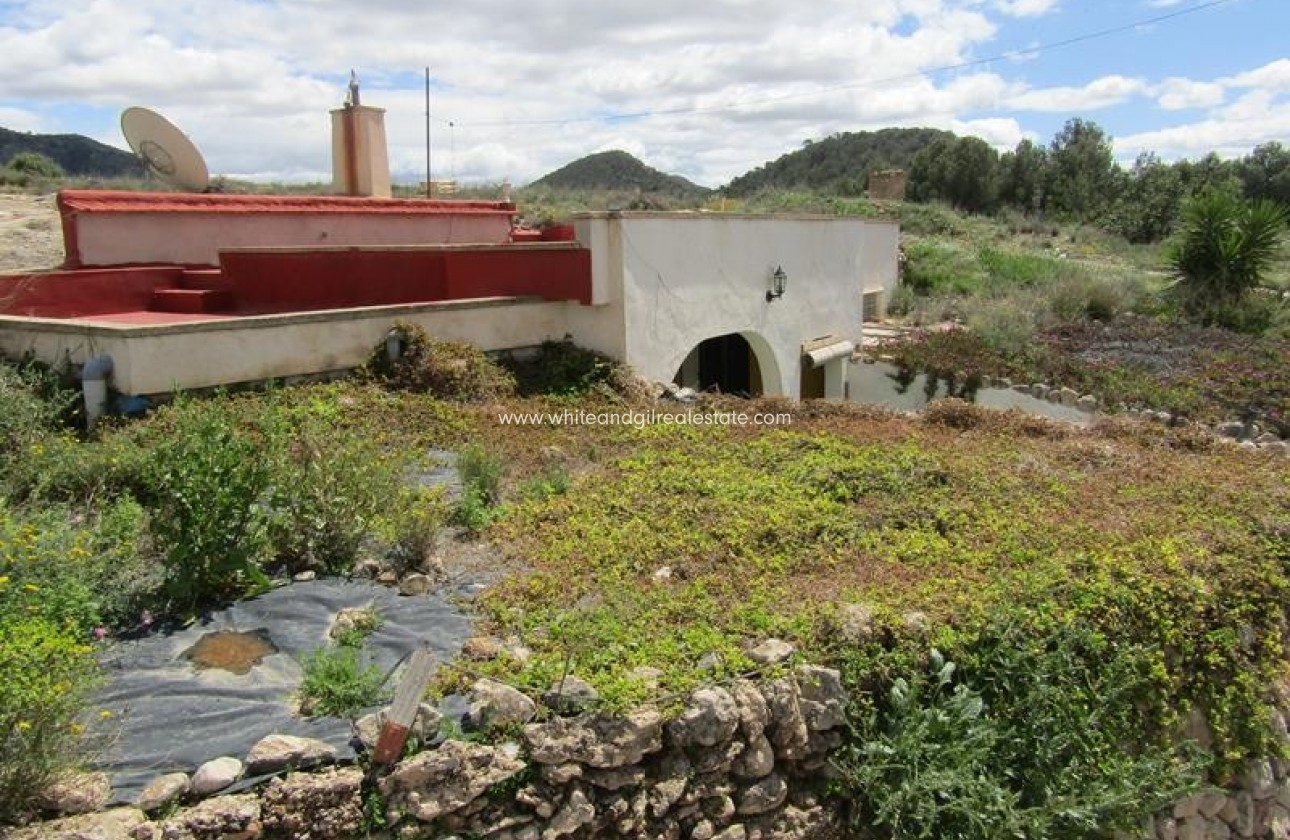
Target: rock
column 416, row 584
column 787, row 731
column 645, row 674
column 710, row 717
column 1217, row 830
column 561, row 774
column 703, row 830
column 734, row 832
column 1268, row 437
column 219, row 818
column 794, row 823
column 1259, row 779
column 443, row 780
column 162, row 791
column 1210, row 803
column 916, row 622
column 280, row 752
column 1166, row 829
column 495, row 705
column 215, row 775
column 571, row 695
column 756, row 760
column 517, row 650
column 717, row 759
column 425, row 727
column 856, row 622
column 1186, row 807
column 1039, row 390
column 481, row 648
column 1279, row 447
column 367, row 569
column 766, row 795
column 318, row 806
column 389, row 577
column 1232, row 429
column 349, row 619
column 1238, row 812
column 771, row 652
column 305, row 576
column 1087, row 403
column 664, row 795
column 753, row 712
column 1192, row 828
column 615, row 778
column 662, row 573
column 577, row 812
column 596, row 740
column 1196, row 728
column 709, row 663
column 76, row 793
column 823, row 699
column 113, row 824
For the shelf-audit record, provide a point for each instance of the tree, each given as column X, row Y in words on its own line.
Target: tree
column 1225, row 247
column 1082, row 176
column 1021, row 176
column 963, row 171
column 35, row 165
column 1148, row 206
column 1265, row 173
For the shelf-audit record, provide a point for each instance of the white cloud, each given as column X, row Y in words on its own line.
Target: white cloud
column 1099, row 93
column 1026, row 8
column 1274, row 76
column 1177, row 94
column 21, row 119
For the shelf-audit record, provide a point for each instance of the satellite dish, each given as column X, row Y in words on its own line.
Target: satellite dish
column 165, row 149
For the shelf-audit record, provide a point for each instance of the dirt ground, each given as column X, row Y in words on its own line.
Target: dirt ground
column 30, row 234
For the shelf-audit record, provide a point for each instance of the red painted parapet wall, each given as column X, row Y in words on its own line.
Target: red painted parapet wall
column 285, row 280
column 111, row 228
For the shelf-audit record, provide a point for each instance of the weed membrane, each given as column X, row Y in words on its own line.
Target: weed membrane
column 164, row 714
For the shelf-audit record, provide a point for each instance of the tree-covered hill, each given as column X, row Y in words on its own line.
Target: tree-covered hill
column 76, row 154
column 841, row 162
column 617, row 170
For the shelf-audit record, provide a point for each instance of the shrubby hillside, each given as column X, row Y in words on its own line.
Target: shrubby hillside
column 77, row 155
column 617, row 171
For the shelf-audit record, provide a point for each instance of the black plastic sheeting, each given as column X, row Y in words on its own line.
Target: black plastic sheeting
column 168, row 716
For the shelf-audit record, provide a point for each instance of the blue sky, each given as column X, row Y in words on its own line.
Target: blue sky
column 723, row 85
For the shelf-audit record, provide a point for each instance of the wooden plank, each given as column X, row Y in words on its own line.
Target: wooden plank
column 403, row 711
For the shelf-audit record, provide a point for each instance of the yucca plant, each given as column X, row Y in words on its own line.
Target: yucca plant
column 1223, row 250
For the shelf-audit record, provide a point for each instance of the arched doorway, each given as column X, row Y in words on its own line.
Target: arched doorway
column 725, row 363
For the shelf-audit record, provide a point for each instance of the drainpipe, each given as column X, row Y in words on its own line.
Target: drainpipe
column 393, row 345
column 94, row 377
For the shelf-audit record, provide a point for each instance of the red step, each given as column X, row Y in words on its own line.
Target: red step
column 202, row 278
column 192, row 301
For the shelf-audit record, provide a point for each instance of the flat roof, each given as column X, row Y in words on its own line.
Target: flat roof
column 121, row 201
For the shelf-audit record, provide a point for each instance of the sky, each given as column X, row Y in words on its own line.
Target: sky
column 707, row 89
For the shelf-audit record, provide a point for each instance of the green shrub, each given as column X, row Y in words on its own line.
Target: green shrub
column 76, row 571
column 209, row 480
column 451, row 370
column 562, row 368
column 1043, row 738
column 1224, row 249
column 35, row 165
column 336, row 683
column 26, row 417
column 417, row 517
column 935, row 266
column 327, row 491
column 481, row 480
column 48, row 675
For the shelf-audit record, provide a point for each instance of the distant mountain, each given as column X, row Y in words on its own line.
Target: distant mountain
column 842, row 161
column 617, row 170
column 77, row 155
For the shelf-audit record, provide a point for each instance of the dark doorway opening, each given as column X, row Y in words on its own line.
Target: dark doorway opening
column 726, row 364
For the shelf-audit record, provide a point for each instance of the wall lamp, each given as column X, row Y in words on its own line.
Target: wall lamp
column 778, row 283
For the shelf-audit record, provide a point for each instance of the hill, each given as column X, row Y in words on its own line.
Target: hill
column 841, row 162
column 617, row 170
column 78, row 155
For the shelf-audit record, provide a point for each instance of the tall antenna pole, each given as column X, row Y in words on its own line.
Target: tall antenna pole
column 430, row 185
